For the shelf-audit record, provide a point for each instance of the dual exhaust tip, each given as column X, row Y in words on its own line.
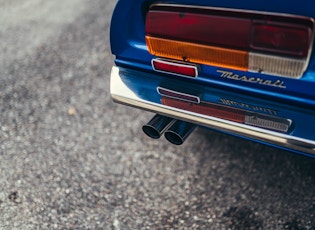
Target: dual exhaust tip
column 175, row 131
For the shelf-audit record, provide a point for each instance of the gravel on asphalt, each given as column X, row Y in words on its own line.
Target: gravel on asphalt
column 72, row 159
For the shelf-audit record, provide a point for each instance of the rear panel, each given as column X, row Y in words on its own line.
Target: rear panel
column 254, row 67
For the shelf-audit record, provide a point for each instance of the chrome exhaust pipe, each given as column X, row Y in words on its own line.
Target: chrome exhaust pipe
column 157, row 125
column 179, row 132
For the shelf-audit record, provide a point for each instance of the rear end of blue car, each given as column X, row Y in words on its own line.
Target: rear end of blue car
column 243, row 68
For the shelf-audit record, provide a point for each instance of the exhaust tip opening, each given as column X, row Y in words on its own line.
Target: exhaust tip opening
column 174, row 138
column 156, row 126
column 151, row 131
column 179, row 132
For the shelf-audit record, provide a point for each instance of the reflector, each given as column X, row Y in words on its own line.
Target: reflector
column 177, row 68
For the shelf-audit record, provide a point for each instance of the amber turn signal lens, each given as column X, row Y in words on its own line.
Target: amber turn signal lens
column 203, row 54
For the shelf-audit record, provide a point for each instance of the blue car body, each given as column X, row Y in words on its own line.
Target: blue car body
column 287, row 102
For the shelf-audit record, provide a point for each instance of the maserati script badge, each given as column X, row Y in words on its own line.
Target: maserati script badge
column 257, row 80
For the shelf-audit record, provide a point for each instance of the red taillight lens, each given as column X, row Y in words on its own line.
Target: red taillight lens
column 199, row 28
column 286, row 39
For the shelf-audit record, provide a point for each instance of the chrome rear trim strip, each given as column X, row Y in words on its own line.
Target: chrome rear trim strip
column 123, row 94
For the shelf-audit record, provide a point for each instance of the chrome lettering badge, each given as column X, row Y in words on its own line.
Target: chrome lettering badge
column 257, row 80
column 246, row 106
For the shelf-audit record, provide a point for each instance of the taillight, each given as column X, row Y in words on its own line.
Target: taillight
column 231, row 39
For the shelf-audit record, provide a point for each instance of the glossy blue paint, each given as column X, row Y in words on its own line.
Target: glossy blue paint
column 296, row 101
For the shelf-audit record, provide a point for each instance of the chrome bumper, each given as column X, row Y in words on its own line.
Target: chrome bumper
column 122, row 91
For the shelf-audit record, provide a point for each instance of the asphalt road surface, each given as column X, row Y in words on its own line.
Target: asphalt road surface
column 72, row 159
